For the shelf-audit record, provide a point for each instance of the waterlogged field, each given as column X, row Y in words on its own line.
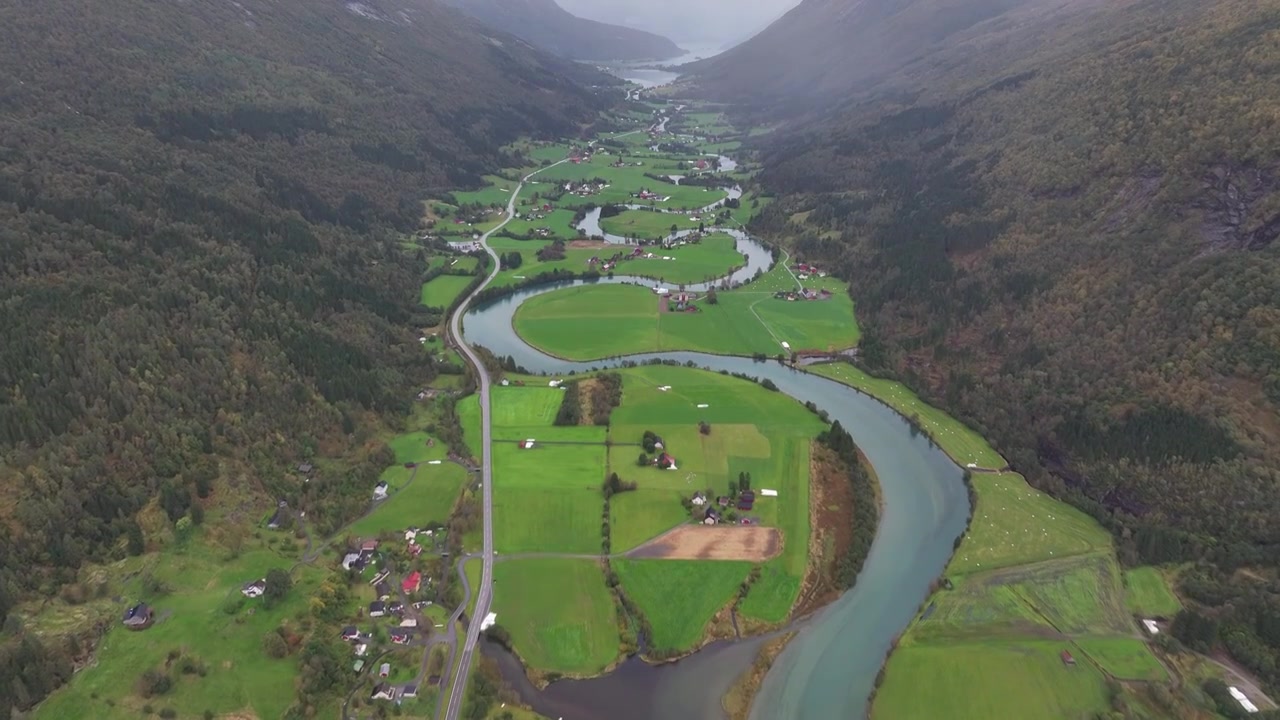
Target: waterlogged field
column 1149, row 594
column 444, row 289
column 204, row 617
column 559, row 613
column 964, row 445
column 680, row 597
column 597, row 321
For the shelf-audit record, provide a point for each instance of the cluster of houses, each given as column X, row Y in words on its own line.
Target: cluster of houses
column 586, row 189
column 713, row 511
column 806, row 270
column 805, row 294
column 647, row 194
column 682, row 302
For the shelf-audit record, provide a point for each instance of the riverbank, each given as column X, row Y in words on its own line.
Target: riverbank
column 738, row 700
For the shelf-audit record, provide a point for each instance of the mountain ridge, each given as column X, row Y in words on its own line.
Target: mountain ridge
column 545, row 24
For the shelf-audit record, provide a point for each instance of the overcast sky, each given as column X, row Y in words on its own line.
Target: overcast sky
column 693, row 24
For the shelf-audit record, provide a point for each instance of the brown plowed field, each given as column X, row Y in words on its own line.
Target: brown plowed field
column 718, row 542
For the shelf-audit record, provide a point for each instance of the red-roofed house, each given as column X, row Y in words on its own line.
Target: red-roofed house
column 412, row 583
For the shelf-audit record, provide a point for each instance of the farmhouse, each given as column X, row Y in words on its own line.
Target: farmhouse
column 746, row 500
column 352, row 561
column 350, row 633
column 380, row 491
column 137, row 617
column 699, row 499
column 711, row 517
column 368, row 546
column 254, row 589
column 665, row 462
column 412, row 583
column 383, row 691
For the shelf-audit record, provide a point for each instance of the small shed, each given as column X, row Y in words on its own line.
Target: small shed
column 1067, row 659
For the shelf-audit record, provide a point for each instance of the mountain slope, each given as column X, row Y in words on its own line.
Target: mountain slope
column 1066, row 232
column 823, row 49
column 545, row 24
column 201, row 270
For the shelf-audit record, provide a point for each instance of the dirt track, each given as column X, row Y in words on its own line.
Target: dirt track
column 720, row 542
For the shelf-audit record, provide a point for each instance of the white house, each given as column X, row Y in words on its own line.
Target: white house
column 383, row 691
column 699, row 499
column 380, row 491
column 1151, row 626
column 254, row 589
column 350, row 560
column 361, row 649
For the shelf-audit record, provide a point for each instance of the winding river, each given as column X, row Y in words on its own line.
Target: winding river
column 829, row 669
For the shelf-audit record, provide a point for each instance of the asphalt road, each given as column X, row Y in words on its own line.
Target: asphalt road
column 484, row 593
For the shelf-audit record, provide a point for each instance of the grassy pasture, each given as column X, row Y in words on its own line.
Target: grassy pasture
column 646, row 224
column 1078, row 596
column 637, row 517
column 1149, row 594
column 560, row 614
column 1022, row 679
column 711, row 259
column 963, row 444
column 679, row 597
column 429, row 497
column 1014, row 524
column 412, row 447
column 560, row 222
column 624, row 181
column 444, row 289
column 575, row 259
column 495, row 193
column 752, row 430
column 595, row 321
column 1125, row 658
column 241, row 677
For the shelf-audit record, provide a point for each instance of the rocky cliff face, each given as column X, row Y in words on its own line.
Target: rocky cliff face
column 1237, row 214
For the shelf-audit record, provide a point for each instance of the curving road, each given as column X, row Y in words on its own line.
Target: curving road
column 484, row 593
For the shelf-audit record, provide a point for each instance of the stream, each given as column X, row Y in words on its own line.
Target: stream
column 829, row 669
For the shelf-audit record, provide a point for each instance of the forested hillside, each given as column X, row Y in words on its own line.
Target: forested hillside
column 544, row 24
column 201, row 274
column 1065, row 233
column 823, row 50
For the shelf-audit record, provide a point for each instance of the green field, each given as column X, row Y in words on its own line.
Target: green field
column 753, row 430
column 1014, row 524
column 981, row 681
column 597, row 321
column 444, row 289
column 546, row 499
column 711, row 259
column 496, row 193
column 428, row 497
column 558, row 221
column 1124, row 658
column 963, row 444
column 558, row 613
column 575, row 259
column 241, row 678
column 625, row 181
column 679, row 597
column 646, row 224
column 1149, row 594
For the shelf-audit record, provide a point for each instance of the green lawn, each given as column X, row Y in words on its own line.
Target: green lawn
column 679, row 597
column 558, row 221
column 496, row 193
column 412, row 447
column 1125, row 658
column 560, row 614
column 1148, row 593
column 444, row 289
column 963, row 444
column 1014, row 524
column 241, row 678
column 638, row 517
column 595, row 321
column 981, row 681
column 429, row 497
